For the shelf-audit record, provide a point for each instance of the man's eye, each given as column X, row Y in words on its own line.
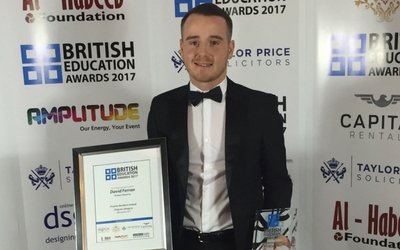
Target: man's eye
column 214, row 42
column 194, row 43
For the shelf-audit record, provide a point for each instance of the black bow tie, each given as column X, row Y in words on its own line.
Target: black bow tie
column 196, row 97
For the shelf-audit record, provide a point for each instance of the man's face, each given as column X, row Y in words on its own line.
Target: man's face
column 205, row 49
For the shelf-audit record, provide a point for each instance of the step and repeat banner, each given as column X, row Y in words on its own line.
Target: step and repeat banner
column 83, row 73
column 357, row 126
column 78, row 73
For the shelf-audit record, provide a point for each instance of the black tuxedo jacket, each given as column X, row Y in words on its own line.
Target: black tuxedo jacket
column 256, row 174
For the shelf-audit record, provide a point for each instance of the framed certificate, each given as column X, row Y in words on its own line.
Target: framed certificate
column 121, row 196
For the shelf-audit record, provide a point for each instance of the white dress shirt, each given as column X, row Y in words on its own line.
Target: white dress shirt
column 207, row 202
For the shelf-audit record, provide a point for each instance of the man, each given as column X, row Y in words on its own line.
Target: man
column 226, row 158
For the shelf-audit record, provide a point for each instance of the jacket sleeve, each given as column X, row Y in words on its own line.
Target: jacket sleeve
column 276, row 181
column 152, row 128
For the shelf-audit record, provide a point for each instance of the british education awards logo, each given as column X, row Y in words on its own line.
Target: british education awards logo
column 366, row 54
column 383, row 9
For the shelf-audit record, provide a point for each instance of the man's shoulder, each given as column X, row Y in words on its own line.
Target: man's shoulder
column 175, row 93
column 253, row 94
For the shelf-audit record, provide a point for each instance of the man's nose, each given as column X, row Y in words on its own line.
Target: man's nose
column 202, row 49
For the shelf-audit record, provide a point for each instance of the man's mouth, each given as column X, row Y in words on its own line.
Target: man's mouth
column 203, row 64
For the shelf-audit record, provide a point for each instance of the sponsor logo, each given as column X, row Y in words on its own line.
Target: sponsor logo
column 177, row 61
column 140, row 235
column 146, row 225
column 383, row 9
column 374, row 54
column 115, row 228
column 248, row 7
column 260, row 57
column 111, row 174
column 333, row 170
column 381, row 102
column 117, row 112
column 106, row 238
column 61, row 216
column 37, row 13
column 354, row 63
column 125, row 236
column 88, row 4
column 78, row 62
column 247, row 58
column 235, row 7
column 363, row 172
column 44, row 177
column 103, row 230
column 378, row 126
column 376, row 173
column 60, row 239
column 41, row 64
column 381, row 224
column 121, row 173
column 184, row 6
column 41, row 177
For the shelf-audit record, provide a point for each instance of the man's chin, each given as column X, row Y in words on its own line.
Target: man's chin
column 204, row 80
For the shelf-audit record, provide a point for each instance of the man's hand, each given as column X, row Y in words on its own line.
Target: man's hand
column 282, row 240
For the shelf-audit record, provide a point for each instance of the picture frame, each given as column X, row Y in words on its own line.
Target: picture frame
column 122, row 196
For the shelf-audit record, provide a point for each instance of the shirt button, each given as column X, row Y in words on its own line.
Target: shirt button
column 206, row 140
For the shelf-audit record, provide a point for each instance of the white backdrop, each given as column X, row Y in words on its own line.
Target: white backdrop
column 357, row 137
column 327, row 46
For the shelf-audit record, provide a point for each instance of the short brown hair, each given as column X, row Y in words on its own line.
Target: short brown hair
column 209, row 9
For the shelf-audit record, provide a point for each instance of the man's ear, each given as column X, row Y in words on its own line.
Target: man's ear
column 180, row 45
column 231, row 48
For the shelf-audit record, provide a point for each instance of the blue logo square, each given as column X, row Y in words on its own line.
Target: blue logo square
column 356, row 66
column 337, row 66
column 29, row 54
column 52, row 53
column 53, row 74
column 184, row 6
column 348, row 55
column 273, row 220
column 338, row 44
column 111, row 174
column 358, row 44
column 41, row 64
column 32, row 75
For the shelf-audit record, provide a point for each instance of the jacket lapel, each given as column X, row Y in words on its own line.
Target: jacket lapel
column 179, row 137
column 236, row 104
